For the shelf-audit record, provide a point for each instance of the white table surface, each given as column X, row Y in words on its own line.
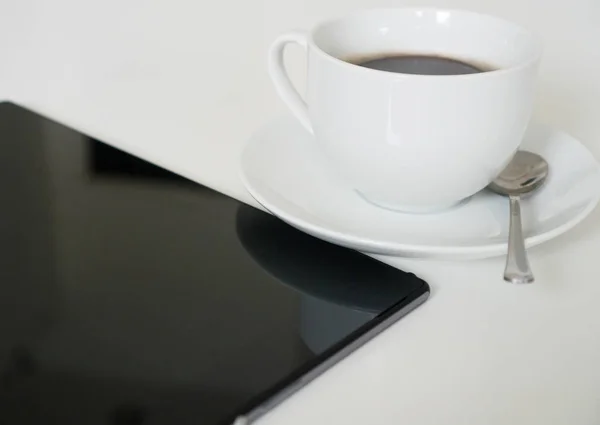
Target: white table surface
column 182, row 83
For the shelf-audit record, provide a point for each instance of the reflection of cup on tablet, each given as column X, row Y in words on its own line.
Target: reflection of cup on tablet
column 322, row 323
column 340, row 289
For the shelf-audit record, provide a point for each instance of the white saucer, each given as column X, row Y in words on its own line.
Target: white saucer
column 283, row 170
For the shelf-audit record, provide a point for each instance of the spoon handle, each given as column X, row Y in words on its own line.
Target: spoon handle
column 517, row 266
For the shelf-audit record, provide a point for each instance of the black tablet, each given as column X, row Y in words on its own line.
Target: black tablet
column 130, row 295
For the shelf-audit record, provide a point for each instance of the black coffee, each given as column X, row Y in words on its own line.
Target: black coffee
column 420, row 64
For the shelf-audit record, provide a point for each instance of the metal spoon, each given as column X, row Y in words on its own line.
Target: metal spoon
column 525, row 173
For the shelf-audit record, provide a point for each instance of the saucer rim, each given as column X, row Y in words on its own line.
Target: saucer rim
column 411, row 250
column 398, row 248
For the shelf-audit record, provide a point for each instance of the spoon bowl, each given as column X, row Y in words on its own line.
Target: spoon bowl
column 525, row 173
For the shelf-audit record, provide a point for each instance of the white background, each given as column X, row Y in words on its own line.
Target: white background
column 183, row 83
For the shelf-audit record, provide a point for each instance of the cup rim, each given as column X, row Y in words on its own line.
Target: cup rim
column 534, row 59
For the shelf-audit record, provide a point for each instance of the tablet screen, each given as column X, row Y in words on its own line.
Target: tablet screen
column 130, row 295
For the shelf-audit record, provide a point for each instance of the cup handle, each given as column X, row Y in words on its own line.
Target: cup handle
column 284, row 87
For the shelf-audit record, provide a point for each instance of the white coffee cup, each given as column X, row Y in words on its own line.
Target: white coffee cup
column 414, row 142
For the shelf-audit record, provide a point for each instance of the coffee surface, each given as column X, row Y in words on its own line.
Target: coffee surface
column 420, row 64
